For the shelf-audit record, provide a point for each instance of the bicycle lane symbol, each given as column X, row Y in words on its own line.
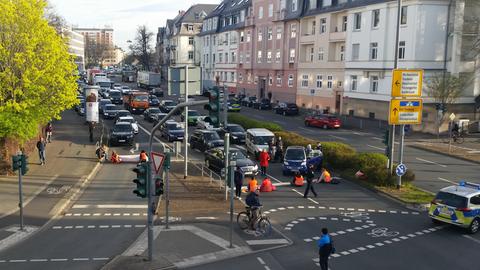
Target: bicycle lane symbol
column 57, row 190
column 382, row 232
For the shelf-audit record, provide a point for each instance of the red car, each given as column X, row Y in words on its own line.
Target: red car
column 322, row 120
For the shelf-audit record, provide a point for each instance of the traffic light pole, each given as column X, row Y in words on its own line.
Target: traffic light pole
column 167, row 190
column 20, row 196
column 151, row 210
column 227, row 152
column 185, row 137
column 402, row 127
column 233, row 164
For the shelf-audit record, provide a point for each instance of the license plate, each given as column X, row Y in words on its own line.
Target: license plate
column 121, row 140
column 337, row 125
column 180, row 138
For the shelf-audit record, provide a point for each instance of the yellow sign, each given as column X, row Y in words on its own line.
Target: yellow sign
column 407, row 83
column 405, row 111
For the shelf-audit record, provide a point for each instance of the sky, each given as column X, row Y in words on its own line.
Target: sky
column 124, row 16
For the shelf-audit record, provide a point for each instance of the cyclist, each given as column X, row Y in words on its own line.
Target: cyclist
column 253, row 203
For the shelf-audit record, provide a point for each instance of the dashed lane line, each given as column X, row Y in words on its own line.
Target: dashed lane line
column 446, row 180
column 104, row 214
column 55, row 260
column 431, row 162
column 293, row 223
column 375, row 147
column 380, row 211
column 99, row 227
column 342, row 232
column 110, row 206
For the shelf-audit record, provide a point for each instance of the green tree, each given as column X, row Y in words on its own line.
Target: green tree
column 37, row 80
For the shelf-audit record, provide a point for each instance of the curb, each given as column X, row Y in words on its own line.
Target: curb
column 440, row 152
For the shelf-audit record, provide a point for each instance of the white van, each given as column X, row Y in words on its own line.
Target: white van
column 257, row 139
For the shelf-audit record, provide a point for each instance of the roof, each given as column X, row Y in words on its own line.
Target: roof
column 260, row 131
column 195, row 14
column 338, row 6
column 464, row 191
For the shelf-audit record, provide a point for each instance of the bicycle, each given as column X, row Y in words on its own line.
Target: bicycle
column 455, row 137
column 260, row 224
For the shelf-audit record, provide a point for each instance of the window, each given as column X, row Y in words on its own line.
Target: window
column 304, row 80
column 403, row 15
column 232, row 76
column 190, row 55
column 293, row 31
column 214, row 40
column 242, row 15
column 190, row 27
column 329, row 82
column 283, row 4
column 213, row 58
column 342, row 53
column 247, row 58
column 353, row 78
column 290, row 80
column 226, row 39
column 319, row 81
column 208, row 41
column 260, row 35
column 355, row 51
column 279, row 80
column 233, row 57
column 260, row 12
column 312, row 54
column 314, row 25
column 294, row 5
column 373, row 51
column 226, row 57
column 323, row 25
column 291, row 59
column 277, row 56
column 320, row 54
column 279, row 33
column 190, row 40
column 241, row 36
column 259, row 57
column 270, row 79
column 240, row 58
column 270, row 10
column 240, row 77
column 375, row 18
column 220, row 58
column 269, row 57
column 269, row 34
column 401, row 50
column 312, row 4
column 344, row 23
column 374, row 84
column 339, row 83
column 357, row 21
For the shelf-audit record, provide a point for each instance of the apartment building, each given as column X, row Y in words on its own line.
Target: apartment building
column 76, row 47
column 94, row 37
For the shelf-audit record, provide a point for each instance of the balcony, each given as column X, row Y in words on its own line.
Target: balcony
column 307, row 38
column 337, row 36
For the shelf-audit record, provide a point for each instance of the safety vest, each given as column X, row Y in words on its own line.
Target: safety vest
column 326, row 177
column 298, row 180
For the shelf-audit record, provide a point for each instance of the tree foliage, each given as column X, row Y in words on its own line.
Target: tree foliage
column 141, row 46
column 37, row 80
column 445, row 89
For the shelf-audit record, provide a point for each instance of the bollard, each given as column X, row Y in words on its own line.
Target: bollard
column 361, row 123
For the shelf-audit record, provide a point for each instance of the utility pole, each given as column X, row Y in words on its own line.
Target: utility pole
column 185, row 138
column 226, row 150
column 233, row 164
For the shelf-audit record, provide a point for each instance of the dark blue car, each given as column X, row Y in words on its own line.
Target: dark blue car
column 295, row 160
column 172, row 131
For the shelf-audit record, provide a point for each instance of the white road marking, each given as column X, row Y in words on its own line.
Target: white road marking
column 471, row 238
column 378, row 139
column 375, row 147
column 110, row 206
column 81, row 259
column 446, row 180
column 100, row 259
column 274, row 179
column 38, row 260
column 337, row 137
column 431, row 162
column 205, row 218
column 267, row 242
column 312, row 200
column 260, row 260
column 58, row 260
column 306, row 129
column 15, row 261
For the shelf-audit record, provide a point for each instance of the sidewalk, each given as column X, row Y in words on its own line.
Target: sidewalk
column 201, row 232
column 469, row 150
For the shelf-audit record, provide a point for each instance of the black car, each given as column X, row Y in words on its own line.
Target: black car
column 286, row 108
column 237, row 133
column 248, row 101
column 215, row 159
column 110, row 111
column 172, row 131
column 263, row 104
column 115, row 96
column 167, row 105
column 122, row 113
column 205, row 139
column 121, row 133
column 153, row 101
column 150, row 113
column 158, row 117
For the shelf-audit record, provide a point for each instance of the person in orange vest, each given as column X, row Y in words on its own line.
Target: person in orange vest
column 252, row 184
column 297, row 179
column 264, row 158
column 115, row 158
column 266, row 185
column 325, row 177
column 143, row 156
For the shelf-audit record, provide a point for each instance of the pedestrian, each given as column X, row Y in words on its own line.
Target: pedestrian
column 319, row 147
column 90, row 130
column 308, row 150
column 271, row 147
column 115, row 158
column 238, row 178
column 252, row 184
column 48, row 132
column 41, row 150
column 279, row 149
column 325, row 248
column 310, row 175
column 264, row 158
column 101, row 153
column 143, row 156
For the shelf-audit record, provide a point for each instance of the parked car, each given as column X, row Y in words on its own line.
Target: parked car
column 102, row 103
column 215, row 159
column 205, row 139
column 237, row 133
column 233, row 105
column 109, row 111
column 149, row 113
column 167, row 105
column 295, row 160
column 125, row 89
column 257, row 139
column 122, row 133
column 323, row 120
column 172, row 131
column 158, row 117
column 122, row 113
column 263, row 104
column 248, row 101
column 115, row 96
column 153, row 101
column 286, row 108
column 192, row 117
column 131, row 120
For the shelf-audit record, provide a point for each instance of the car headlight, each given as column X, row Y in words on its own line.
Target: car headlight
column 304, row 163
column 285, row 163
column 255, row 167
column 234, row 137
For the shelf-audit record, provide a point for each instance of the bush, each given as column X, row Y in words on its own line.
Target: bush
column 338, row 155
column 292, row 138
column 373, row 165
column 247, row 123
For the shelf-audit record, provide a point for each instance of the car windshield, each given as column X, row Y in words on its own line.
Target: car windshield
column 115, row 94
column 120, row 114
column 104, row 84
column 129, row 120
column 295, row 154
column 236, row 129
column 262, row 140
column 154, row 110
column 170, row 103
column 109, row 107
column 291, row 105
column 174, row 126
column 140, row 98
column 211, row 136
column 122, row 128
column 238, row 154
column 451, row 199
column 193, row 113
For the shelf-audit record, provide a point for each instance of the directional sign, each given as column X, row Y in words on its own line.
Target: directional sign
column 158, row 160
column 407, row 83
column 407, row 111
column 401, row 169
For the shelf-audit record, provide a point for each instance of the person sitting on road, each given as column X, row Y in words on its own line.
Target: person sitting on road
column 297, row 179
column 267, row 185
column 115, row 157
column 101, row 153
column 143, row 156
column 253, row 204
column 252, row 184
column 325, row 177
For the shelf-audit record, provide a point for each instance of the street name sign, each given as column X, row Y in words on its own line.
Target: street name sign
column 407, row 83
column 405, row 111
column 158, row 160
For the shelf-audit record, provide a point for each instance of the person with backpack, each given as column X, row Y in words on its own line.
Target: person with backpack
column 325, row 248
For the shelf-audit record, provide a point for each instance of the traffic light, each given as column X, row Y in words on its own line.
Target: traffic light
column 213, row 107
column 24, row 164
column 386, row 136
column 158, row 186
column 16, row 162
column 142, row 180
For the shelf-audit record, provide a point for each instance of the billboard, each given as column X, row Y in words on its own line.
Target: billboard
column 91, row 104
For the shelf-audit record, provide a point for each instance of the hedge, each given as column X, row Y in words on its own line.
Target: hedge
column 373, row 165
column 247, row 123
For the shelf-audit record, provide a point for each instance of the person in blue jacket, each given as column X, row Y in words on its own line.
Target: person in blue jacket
column 325, row 248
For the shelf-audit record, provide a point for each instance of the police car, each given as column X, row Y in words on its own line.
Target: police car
column 458, row 205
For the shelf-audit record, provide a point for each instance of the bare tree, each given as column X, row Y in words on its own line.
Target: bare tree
column 141, row 46
column 96, row 52
column 54, row 19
